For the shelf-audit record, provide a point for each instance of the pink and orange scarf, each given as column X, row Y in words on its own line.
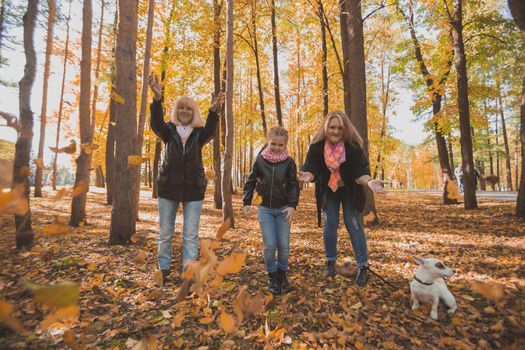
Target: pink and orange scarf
column 272, row 157
column 334, row 156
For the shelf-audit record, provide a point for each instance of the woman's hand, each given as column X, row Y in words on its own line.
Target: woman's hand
column 305, row 176
column 216, row 102
column 376, row 186
column 289, row 214
column 154, row 84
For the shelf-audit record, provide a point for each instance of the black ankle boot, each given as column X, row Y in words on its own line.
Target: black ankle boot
column 362, row 276
column 283, row 281
column 329, row 269
column 165, row 274
column 273, row 283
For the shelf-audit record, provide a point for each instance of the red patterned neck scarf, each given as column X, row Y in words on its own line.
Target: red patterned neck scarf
column 274, row 157
column 334, row 156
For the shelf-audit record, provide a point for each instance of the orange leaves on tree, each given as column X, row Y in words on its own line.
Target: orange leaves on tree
column 6, row 310
column 56, row 228
column 69, row 149
column 223, row 229
column 489, row 290
column 231, row 263
column 14, row 202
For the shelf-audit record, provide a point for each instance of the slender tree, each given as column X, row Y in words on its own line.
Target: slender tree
column 123, row 210
column 227, row 208
column 110, row 140
column 3, row 7
column 505, row 139
column 61, row 102
column 255, row 48
column 345, row 44
column 78, row 205
column 217, row 194
column 324, row 56
column 43, row 112
column 24, row 230
column 517, row 9
column 276, row 87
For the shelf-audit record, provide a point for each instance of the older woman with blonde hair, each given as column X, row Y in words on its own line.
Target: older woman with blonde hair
column 337, row 163
column 181, row 177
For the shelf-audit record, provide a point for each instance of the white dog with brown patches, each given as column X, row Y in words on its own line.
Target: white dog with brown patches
column 428, row 285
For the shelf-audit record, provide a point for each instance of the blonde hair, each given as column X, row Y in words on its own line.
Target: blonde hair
column 277, row 131
column 197, row 121
column 350, row 134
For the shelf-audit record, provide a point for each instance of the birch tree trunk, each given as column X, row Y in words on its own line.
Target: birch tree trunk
column 24, row 230
column 124, row 206
column 43, row 112
column 78, row 204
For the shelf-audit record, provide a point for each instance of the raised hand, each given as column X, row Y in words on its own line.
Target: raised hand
column 216, row 102
column 154, row 84
column 305, row 176
column 377, row 186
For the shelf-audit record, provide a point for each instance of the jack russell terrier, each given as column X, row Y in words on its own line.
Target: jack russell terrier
column 428, row 285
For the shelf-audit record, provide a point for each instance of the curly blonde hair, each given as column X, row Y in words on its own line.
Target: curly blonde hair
column 350, row 134
column 197, row 121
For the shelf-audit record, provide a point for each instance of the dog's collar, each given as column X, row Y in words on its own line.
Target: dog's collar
column 420, row 281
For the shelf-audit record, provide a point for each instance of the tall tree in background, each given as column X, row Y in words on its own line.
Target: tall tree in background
column 436, row 94
column 124, row 206
column 24, row 230
column 144, row 97
column 97, row 67
column 3, row 7
column 217, row 194
column 61, row 102
column 324, row 56
column 352, row 18
column 467, row 160
column 276, row 87
column 517, row 9
column 78, row 204
column 505, row 138
column 43, row 112
column 255, row 49
column 345, row 45
column 227, row 208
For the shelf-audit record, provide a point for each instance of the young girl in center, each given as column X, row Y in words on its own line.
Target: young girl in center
column 274, row 177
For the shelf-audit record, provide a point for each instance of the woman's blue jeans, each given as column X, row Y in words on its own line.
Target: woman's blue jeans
column 276, row 237
column 354, row 226
column 190, row 231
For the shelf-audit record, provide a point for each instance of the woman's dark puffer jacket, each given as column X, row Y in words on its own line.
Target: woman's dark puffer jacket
column 276, row 183
column 181, row 176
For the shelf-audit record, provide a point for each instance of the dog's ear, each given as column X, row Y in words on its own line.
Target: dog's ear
column 419, row 259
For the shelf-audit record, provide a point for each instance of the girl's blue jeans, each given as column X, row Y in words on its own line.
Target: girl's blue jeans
column 190, row 231
column 276, row 237
column 353, row 223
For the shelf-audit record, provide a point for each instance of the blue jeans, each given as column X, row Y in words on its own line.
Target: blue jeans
column 353, row 223
column 276, row 237
column 190, row 231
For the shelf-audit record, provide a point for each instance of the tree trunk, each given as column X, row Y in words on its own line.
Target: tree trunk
column 351, row 15
column 227, row 208
column 258, row 67
column 2, row 21
column 496, row 143
column 78, row 204
column 24, row 230
column 517, row 9
column 99, row 182
column 143, row 100
column 43, row 112
column 324, row 58
column 345, row 44
column 110, row 141
column 61, row 103
column 97, row 68
column 505, row 141
column 467, row 161
column 276, row 87
column 123, row 211
column 217, row 194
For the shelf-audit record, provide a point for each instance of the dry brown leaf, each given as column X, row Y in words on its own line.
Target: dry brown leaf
column 368, row 218
column 60, row 315
column 70, row 340
column 69, row 149
column 135, row 160
column 88, row 148
column 232, row 263
column 6, row 309
column 140, row 259
column 489, row 290
column 14, row 202
column 227, row 322
column 210, row 174
column 149, row 342
column 56, row 228
column 223, row 229
column 61, row 294
column 244, row 306
column 78, row 189
column 157, row 278
column 206, row 320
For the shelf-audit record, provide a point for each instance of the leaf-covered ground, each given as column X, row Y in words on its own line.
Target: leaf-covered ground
column 120, row 304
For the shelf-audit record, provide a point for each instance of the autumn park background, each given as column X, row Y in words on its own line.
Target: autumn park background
column 78, row 163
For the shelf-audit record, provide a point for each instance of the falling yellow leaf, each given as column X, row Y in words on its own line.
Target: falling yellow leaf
column 223, row 229
column 14, row 202
column 357, row 306
column 452, row 191
column 140, row 259
column 135, row 160
column 59, row 315
column 231, row 263
column 206, row 320
column 6, row 309
column 491, row 291
column 147, row 343
column 178, row 319
column 157, row 278
column 88, row 148
column 69, row 149
column 257, row 200
column 39, row 162
column 78, row 189
column 359, row 346
column 244, row 306
column 70, row 340
column 227, row 322
column 56, row 228
column 210, row 174
column 61, row 193
column 117, row 97
column 61, row 294
column 216, row 282
column 368, row 218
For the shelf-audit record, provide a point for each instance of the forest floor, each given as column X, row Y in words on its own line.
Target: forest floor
column 121, row 308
